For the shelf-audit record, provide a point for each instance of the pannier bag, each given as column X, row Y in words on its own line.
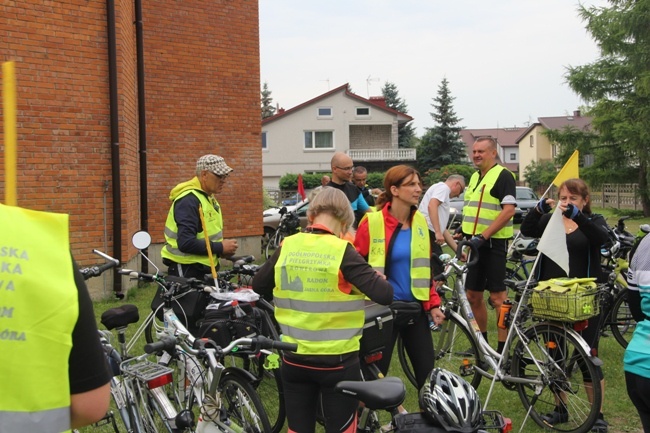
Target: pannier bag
column 566, row 299
column 222, row 326
column 377, row 329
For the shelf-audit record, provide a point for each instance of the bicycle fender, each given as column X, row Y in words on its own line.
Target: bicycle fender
column 594, row 359
column 240, row 372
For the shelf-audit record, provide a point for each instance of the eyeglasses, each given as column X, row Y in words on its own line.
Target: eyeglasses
column 350, row 168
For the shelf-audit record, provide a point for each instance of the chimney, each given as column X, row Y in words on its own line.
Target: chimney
column 576, row 113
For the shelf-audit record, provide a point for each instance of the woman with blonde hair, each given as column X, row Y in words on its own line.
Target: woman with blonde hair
column 319, row 283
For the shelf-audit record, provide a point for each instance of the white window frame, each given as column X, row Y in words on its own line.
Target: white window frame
column 313, row 140
column 356, row 112
column 513, row 156
column 324, row 116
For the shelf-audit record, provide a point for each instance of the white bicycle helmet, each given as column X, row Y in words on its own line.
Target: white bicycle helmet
column 525, row 246
column 449, row 401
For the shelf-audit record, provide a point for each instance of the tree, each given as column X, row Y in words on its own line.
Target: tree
column 617, row 84
column 441, row 145
column 611, row 164
column 268, row 109
column 540, row 175
column 406, row 132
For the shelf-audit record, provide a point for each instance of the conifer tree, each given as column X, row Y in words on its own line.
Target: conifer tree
column 268, row 109
column 442, row 144
column 406, row 137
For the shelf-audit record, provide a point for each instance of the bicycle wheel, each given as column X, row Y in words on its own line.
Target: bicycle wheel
column 266, row 369
column 242, row 405
column 274, row 242
column 622, row 323
column 455, row 350
column 565, row 371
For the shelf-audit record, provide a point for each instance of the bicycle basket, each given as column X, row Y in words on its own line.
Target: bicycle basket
column 565, row 299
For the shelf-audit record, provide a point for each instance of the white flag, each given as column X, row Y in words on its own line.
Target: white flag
column 553, row 242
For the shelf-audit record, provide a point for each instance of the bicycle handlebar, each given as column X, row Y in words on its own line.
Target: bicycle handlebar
column 97, row 270
column 473, row 252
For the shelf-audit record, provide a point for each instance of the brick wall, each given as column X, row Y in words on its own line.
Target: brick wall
column 202, row 96
column 370, row 137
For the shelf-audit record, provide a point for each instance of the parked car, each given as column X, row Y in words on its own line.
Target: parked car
column 271, row 217
column 526, row 200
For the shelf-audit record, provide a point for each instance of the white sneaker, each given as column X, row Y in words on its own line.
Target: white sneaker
column 387, row 427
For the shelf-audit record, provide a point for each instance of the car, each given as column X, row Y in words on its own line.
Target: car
column 526, row 200
column 271, row 217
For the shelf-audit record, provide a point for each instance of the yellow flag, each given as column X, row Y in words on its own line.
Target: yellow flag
column 569, row 171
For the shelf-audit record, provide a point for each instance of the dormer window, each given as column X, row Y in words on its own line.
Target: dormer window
column 324, row 112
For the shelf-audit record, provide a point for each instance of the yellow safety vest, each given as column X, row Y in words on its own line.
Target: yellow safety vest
column 213, row 223
column 420, row 251
column 309, row 306
column 38, row 311
column 490, row 206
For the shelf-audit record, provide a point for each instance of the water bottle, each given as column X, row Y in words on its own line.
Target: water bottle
column 504, row 316
column 239, row 313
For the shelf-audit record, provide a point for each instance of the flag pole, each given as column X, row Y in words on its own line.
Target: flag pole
column 9, row 110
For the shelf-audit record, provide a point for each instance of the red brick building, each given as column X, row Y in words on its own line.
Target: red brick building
column 80, row 135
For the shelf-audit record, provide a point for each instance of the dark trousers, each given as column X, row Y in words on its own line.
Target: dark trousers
column 303, row 384
column 638, row 388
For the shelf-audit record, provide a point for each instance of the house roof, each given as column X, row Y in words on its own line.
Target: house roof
column 577, row 121
column 375, row 101
column 505, row 138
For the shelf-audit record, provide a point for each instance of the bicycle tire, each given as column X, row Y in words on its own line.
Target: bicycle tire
column 454, row 348
column 564, row 365
column 243, row 405
column 267, row 383
column 622, row 324
column 274, row 242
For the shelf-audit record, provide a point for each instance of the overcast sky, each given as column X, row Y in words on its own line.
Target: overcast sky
column 505, row 60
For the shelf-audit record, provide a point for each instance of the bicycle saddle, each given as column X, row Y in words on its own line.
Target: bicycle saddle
column 386, row 393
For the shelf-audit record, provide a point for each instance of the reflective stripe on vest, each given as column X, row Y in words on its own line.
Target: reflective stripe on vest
column 39, row 311
column 309, row 306
column 420, row 251
column 490, row 206
column 213, row 223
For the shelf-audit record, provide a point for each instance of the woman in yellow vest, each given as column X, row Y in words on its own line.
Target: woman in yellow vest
column 53, row 373
column 319, row 283
column 395, row 241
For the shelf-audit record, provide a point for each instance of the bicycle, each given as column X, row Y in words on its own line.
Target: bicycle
column 289, row 225
column 218, row 386
column 545, row 361
column 138, row 386
column 262, row 364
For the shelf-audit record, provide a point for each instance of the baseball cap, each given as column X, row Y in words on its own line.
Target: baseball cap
column 214, row 164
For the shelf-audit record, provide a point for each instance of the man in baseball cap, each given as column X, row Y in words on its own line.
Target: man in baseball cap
column 185, row 251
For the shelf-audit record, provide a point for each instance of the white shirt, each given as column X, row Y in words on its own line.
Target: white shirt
column 440, row 191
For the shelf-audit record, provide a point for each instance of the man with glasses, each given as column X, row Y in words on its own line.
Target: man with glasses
column 435, row 207
column 342, row 168
column 195, row 214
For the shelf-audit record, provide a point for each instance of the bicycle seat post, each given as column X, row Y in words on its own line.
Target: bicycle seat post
column 121, row 339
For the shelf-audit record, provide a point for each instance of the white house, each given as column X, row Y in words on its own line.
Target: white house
column 304, row 138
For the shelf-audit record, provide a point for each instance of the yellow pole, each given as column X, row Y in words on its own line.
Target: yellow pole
column 213, row 268
column 9, row 110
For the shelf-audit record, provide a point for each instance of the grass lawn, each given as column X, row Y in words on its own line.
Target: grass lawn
column 619, row 411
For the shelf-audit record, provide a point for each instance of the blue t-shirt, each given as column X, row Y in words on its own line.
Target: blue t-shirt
column 400, row 267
